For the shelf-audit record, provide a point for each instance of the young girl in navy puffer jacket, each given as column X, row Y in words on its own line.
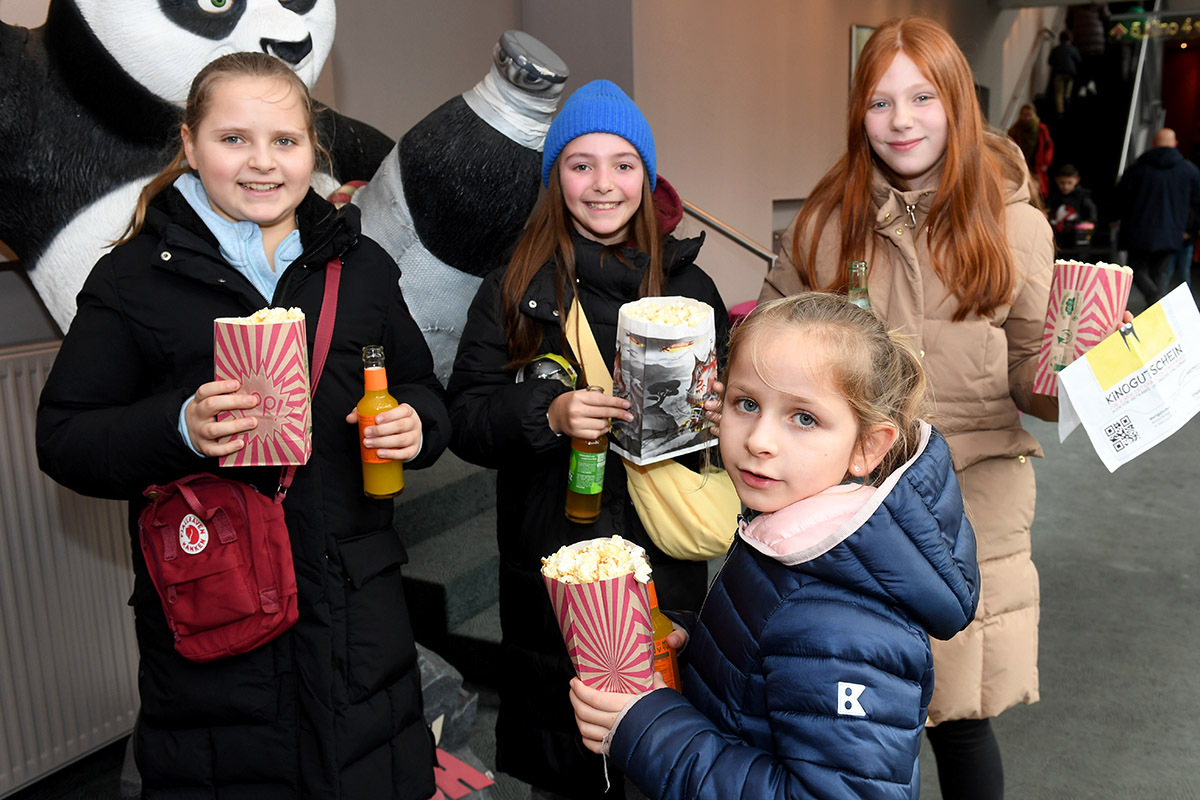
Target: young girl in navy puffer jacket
column 808, row 672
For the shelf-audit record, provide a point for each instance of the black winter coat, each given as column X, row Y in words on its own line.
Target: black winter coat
column 331, row 709
column 502, row 424
column 1155, row 196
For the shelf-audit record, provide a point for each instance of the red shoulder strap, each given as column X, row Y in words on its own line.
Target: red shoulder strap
column 333, row 274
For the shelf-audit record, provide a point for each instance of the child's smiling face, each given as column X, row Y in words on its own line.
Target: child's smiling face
column 906, row 124
column 787, row 432
column 601, row 176
column 253, row 152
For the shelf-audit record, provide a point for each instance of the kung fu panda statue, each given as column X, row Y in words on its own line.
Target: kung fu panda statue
column 90, row 101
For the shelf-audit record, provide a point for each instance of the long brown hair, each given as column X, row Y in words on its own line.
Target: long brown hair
column 967, row 246
column 547, row 238
column 232, row 65
column 876, row 370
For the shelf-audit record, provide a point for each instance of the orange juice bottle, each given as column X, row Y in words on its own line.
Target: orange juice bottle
column 382, row 478
column 665, row 661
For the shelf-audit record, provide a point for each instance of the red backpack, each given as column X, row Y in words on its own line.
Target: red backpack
column 219, row 555
column 218, row 550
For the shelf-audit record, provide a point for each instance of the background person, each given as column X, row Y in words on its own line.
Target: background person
column 1065, row 61
column 1033, row 137
column 1156, row 195
column 1069, row 205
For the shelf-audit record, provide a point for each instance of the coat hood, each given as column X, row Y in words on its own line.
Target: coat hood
column 599, row 269
column 1161, row 157
column 907, row 541
column 668, row 205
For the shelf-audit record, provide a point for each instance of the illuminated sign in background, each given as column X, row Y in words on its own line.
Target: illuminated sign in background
column 1135, row 28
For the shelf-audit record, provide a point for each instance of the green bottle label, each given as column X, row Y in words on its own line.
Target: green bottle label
column 587, row 472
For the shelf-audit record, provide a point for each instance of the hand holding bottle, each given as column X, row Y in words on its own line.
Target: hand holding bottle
column 677, row 638
column 383, row 424
column 396, row 434
column 586, row 415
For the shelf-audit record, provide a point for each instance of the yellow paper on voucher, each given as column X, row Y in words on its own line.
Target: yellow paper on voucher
column 1118, row 356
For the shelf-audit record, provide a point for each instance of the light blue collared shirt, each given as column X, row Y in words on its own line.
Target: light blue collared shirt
column 241, row 242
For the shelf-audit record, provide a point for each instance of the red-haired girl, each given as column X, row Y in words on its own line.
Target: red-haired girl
column 960, row 259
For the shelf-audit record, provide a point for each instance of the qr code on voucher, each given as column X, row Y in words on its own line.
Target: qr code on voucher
column 1121, row 433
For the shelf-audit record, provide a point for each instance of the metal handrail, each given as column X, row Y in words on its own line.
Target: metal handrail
column 731, row 233
column 1135, row 95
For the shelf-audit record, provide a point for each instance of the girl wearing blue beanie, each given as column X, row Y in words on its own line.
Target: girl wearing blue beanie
column 602, row 233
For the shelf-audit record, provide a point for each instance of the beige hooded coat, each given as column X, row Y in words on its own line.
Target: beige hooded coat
column 981, row 372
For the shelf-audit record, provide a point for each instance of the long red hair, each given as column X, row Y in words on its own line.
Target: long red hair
column 967, row 246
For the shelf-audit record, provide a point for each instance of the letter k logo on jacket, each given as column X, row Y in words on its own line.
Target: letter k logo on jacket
column 848, row 694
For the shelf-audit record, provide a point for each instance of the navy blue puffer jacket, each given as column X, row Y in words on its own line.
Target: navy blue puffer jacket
column 809, row 670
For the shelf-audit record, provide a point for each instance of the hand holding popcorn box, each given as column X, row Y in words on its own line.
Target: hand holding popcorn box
column 665, row 367
column 268, row 353
column 598, row 590
column 1086, row 304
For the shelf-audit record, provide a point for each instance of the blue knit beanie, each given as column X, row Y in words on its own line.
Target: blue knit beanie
column 599, row 107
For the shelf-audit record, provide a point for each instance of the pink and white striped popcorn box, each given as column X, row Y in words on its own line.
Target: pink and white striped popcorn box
column 1086, row 304
column 271, row 360
column 606, row 627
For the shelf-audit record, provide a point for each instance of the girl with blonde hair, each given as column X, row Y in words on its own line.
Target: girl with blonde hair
column 808, row 671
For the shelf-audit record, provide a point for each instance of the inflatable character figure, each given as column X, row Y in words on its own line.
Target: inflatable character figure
column 90, row 101
column 451, row 200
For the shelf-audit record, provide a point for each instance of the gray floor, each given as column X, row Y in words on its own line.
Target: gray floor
column 1117, row 555
column 1120, row 710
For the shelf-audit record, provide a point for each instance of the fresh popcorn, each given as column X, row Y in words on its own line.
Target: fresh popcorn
column 669, row 311
column 267, row 316
column 597, row 560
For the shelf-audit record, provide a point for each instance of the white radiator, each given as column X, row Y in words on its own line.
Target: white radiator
column 68, row 659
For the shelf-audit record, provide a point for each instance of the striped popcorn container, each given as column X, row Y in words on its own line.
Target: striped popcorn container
column 268, row 353
column 605, row 623
column 1086, row 304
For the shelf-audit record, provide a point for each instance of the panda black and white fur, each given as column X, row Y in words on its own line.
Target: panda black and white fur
column 90, row 101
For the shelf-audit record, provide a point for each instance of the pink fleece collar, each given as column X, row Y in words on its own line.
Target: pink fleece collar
column 811, row 527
